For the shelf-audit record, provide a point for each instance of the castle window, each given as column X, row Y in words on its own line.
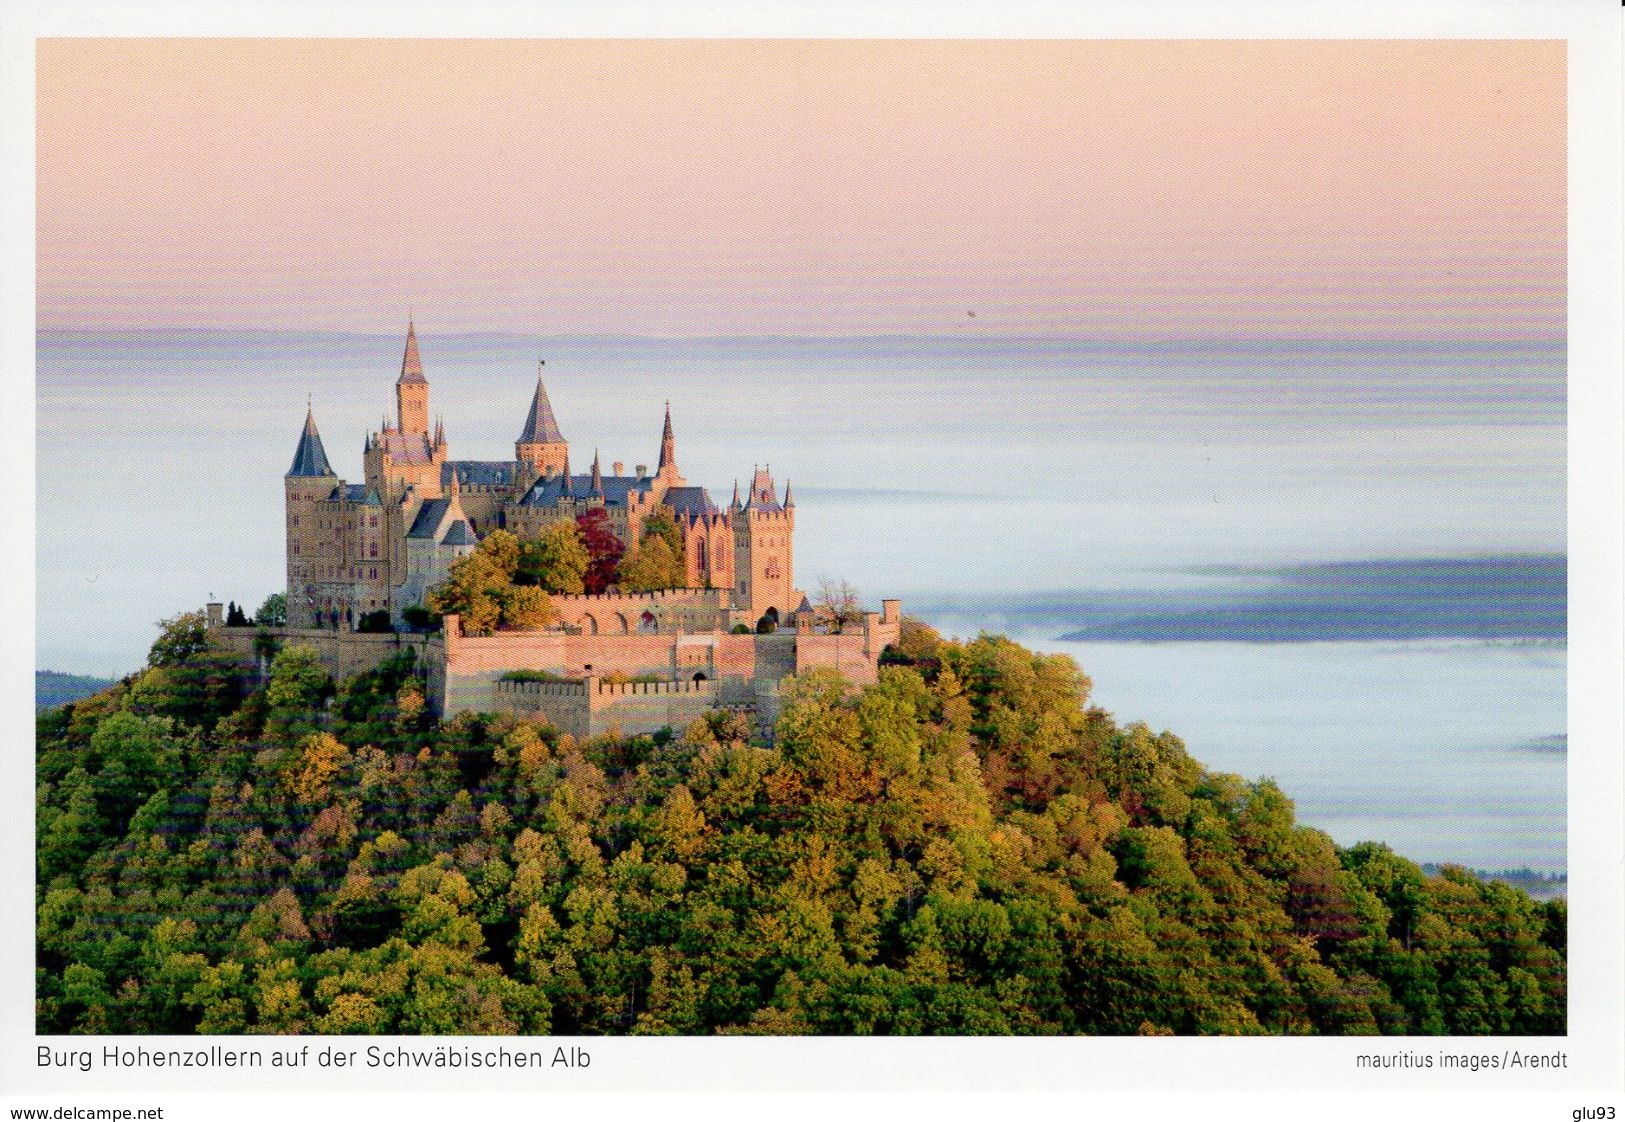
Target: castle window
column 373, row 522
column 374, row 575
column 294, row 520
column 372, row 550
column 296, row 549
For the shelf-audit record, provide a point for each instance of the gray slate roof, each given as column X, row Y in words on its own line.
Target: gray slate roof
column 358, row 493
column 540, row 426
column 479, row 473
column 429, row 515
column 310, row 458
column 690, row 500
column 616, row 488
column 460, row 534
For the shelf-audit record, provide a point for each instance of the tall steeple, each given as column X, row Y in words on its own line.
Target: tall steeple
column 411, row 364
column 597, row 477
column 310, row 458
column 412, row 389
column 666, row 469
column 541, row 447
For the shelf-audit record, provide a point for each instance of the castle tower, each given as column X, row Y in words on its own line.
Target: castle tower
column 764, row 548
column 666, row 473
column 412, row 389
column 309, row 481
column 541, row 448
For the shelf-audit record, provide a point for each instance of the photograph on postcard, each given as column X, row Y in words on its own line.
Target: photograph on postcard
column 833, row 537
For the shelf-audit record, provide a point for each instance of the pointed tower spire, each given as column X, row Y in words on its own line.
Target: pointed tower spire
column 788, row 501
column 310, row 458
column 412, row 391
column 541, row 448
column 540, row 425
column 411, row 364
column 736, row 495
column 565, row 493
column 668, row 447
column 597, row 477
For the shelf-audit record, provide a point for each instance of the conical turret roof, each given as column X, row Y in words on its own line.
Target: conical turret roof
column 411, row 364
column 310, row 458
column 540, row 425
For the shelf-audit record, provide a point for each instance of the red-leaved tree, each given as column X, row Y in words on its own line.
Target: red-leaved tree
column 604, row 550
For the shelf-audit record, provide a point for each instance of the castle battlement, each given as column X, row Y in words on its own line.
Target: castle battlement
column 508, row 688
column 651, row 689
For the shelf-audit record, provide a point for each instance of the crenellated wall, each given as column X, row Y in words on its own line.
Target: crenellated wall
column 696, row 671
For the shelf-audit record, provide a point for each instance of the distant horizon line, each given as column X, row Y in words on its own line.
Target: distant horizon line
column 1091, row 340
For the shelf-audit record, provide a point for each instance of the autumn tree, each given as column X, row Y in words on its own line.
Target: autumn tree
column 660, row 561
column 604, row 550
column 479, row 588
column 556, row 561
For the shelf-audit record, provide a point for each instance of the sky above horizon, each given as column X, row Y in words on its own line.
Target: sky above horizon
column 1099, row 189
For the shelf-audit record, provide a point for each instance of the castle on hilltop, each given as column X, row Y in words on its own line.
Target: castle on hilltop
column 363, row 552
column 354, row 549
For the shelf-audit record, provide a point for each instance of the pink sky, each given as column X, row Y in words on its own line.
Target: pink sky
column 1117, row 189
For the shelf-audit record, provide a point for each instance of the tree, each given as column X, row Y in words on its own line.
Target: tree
column 235, row 616
column 652, row 567
column 660, row 561
column 604, row 550
column 526, row 608
column 183, row 638
column 188, row 676
column 556, row 561
column 296, row 691
column 274, row 612
column 837, row 604
column 502, row 548
column 473, row 589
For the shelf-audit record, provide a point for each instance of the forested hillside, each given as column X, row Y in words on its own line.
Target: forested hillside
column 965, row 847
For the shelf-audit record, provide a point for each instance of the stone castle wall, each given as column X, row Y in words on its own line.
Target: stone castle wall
column 697, row 671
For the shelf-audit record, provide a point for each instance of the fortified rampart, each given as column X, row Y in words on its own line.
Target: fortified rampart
column 589, row 693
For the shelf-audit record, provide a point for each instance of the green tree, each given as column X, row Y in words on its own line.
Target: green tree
column 295, row 694
column 556, row 560
column 274, row 612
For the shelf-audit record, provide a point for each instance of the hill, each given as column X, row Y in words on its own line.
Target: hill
column 53, row 688
column 965, row 847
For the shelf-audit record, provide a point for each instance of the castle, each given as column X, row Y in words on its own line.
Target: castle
column 370, row 551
